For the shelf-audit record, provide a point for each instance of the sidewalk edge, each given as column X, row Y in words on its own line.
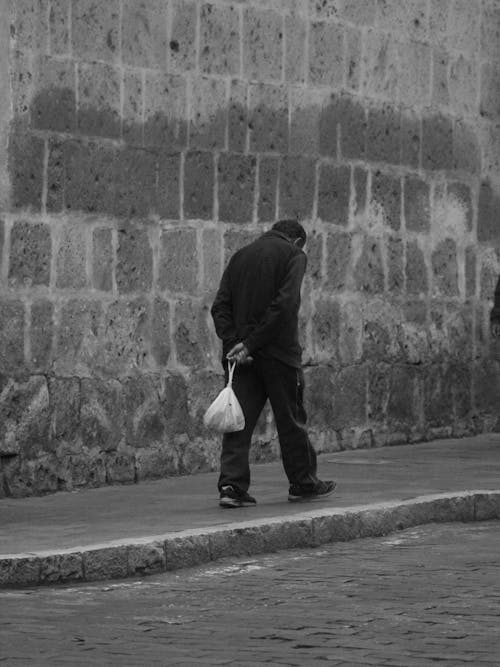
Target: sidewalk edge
column 172, row 551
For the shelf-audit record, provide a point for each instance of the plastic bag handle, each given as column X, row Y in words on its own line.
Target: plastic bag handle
column 231, row 366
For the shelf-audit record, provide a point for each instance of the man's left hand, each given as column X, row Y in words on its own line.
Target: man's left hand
column 239, row 354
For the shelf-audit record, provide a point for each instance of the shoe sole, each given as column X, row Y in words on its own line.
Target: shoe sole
column 311, row 497
column 231, row 503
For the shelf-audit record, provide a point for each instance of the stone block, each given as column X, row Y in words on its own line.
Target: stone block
column 361, row 13
column 268, row 183
column 53, row 106
column 460, row 194
column 486, row 386
column 71, row 258
column 440, row 92
column 410, row 139
column 212, row 260
column 334, row 193
column 59, row 27
column 326, row 54
column 329, row 128
column 168, row 191
column 165, row 112
column 360, row 182
column 178, row 260
column 351, row 333
column 378, row 391
column 463, row 25
column 490, row 91
column 187, row 551
column 349, row 398
column 182, row 45
column 208, row 115
column 386, row 194
column 64, row 401
column 2, row 241
column 305, row 114
column 463, row 84
column 102, row 259
column 120, row 468
column 30, row 254
column 262, row 45
column 415, row 80
column 107, row 563
column 487, row 214
column 268, row 115
column 402, row 405
column 132, row 108
column 160, row 332
column 376, row 339
column 219, row 47
column 490, row 32
column 144, row 422
column 25, row 419
column 11, row 336
column 144, row 33
column 445, row 268
column 61, row 568
column 133, row 176
column 99, row 103
column 338, row 260
column 191, row 334
column 354, row 47
column 77, row 338
column 353, row 128
column 381, row 69
column 417, row 207
column 95, row 29
column 470, row 272
column 19, row 571
column 134, row 260
column 384, row 135
column 41, row 334
column 466, row 150
column 55, row 176
column 486, row 506
column 437, row 397
column 369, row 269
column 395, row 265
column 325, row 331
column 236, row 181
column 295, row 49
column 30, row 27
column 199, row 185
column 26, row 163
column 237, row 117
column 297, row 183
column 405, row 19
column 437, row 142
column 102, row 414
column 324, row 9
column 416, row 270
column 146, row 559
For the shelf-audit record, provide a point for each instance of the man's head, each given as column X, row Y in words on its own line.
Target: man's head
column 294, row 230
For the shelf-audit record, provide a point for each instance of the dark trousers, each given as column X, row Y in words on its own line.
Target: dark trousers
column 283, row 385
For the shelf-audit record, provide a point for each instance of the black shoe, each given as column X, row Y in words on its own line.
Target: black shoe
column 298, row 494
column 231, row 497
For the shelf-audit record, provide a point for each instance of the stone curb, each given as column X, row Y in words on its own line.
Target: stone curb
column 172, row 551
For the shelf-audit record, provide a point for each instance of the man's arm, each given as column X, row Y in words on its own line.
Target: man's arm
column 495, row 313
column 285, row 302
column 222, row 311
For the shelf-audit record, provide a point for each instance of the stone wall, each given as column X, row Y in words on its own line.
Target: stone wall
column 143, row 141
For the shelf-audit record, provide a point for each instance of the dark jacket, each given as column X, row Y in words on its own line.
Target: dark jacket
column 495, row 311
column 258, row 299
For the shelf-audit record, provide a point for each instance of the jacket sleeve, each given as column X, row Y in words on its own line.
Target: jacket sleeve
column 495, row 311
column 222, row 311
column 286, row 302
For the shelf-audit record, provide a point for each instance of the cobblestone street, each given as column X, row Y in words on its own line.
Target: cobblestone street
column 425, row 595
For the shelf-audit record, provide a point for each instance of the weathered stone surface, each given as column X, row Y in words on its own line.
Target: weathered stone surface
column 445, row 268
column 403, row 408
column 30, row 254
column 395, row 265
column 59, row 27
column 297, row 177
column 417, row 208
column 381, row 65
column 30, row 25
column 416, row 270
column 94, row 29
column 349, row 397
column 19, row 571
column 219, row 47
column 305, row 112
column 410, row 139
column 236, row 180
column 384, row 135
column 369, row 269
column 144, row 33
column 106, row 563
column 11, row 336
column 325, row 329
column 178, row 270
column 182, row 46
column 146, row 559
column 437, row 142
column 237, row 116
column 490, row 32
column 65, row 400
column 198, row 185
column 165, row 105
column 212, row 260
column 326, row 54
column 466, row 150
column 207, row 127
column 386, row 192
column 354, row 46
column 334, row 194
column 124, row 347
column 134, row 260
column 168, row 194
column 99, row 100
column 262, row 45
column 41, row 334
column 54, row 104
column 25, row 419
column 487, row 216
column 268, row 118
column 295, row 49
column 61, row 568
column 191, row 333
column 338, row 260
column 71, row 259
column 490, row 91
column 102, row 259
column 26, row 157
column 268, row 181
column 187, row 551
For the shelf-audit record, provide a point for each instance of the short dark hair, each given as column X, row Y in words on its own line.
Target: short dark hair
column 292, row 229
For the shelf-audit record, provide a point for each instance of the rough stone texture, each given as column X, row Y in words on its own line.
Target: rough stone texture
column 142, row 143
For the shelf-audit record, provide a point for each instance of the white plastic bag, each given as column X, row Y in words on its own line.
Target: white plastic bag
column 225, row 414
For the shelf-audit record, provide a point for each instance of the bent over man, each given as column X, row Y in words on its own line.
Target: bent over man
column 255, row 313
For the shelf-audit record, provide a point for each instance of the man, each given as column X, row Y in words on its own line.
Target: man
column 255, row 313
column 495, row 313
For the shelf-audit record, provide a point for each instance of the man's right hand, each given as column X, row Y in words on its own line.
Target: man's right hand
column 239, row 354
column 495, row 329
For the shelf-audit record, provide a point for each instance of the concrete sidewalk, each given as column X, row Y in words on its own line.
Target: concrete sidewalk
column 151, row 527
